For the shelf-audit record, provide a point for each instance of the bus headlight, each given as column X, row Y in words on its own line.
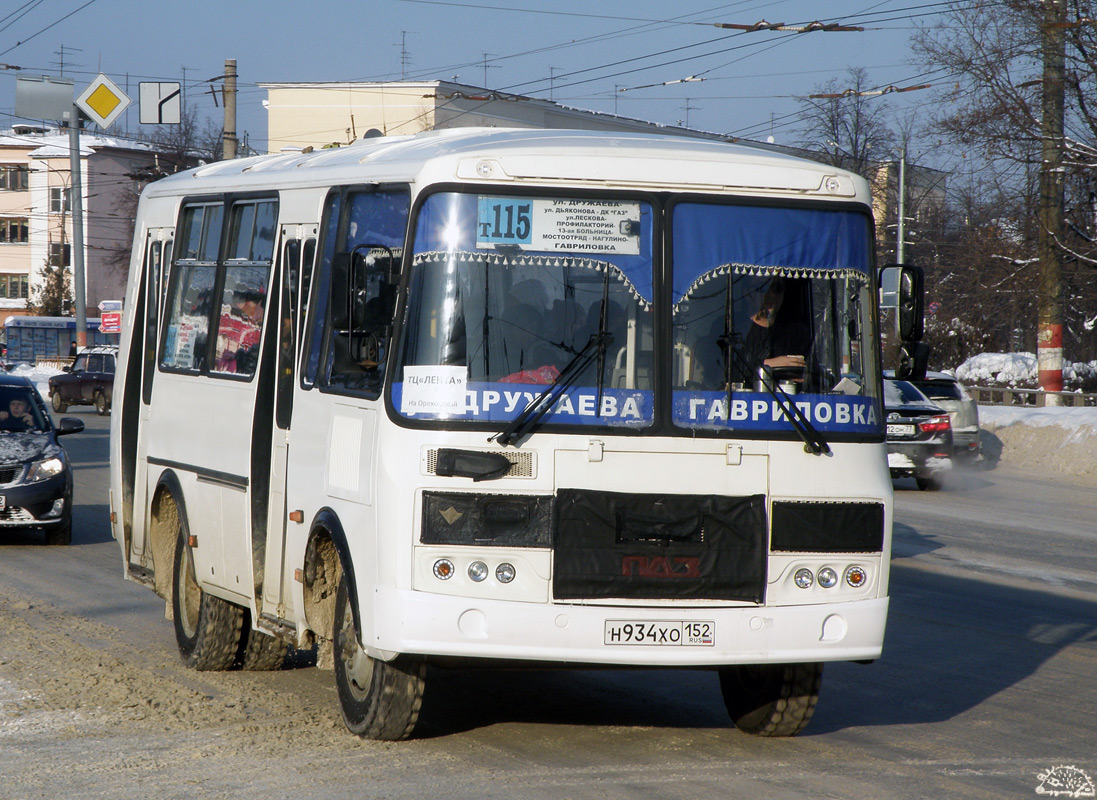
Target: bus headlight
column 504, row 573
column 803, row 578
column 478, row 571
column 828, row 578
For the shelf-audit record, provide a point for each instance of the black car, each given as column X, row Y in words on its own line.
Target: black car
column 35, row 476
column 88, row 381
column 919, row 435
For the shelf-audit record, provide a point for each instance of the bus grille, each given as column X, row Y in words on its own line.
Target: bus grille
column 659, row 546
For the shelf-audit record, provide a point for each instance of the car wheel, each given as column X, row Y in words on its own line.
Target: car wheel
column 771, row 699
column 61, row 535
column 101, row 407
column 379, row 699
column 207, row 628
column 59, row 405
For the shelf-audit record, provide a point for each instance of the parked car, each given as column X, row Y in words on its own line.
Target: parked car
column 948, row 393
column 919, row 435
column 35, row 476
column 89, row 381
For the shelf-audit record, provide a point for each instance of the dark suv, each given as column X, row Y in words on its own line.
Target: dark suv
column 89, row 381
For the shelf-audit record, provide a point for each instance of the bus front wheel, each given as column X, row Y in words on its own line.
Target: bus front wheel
column 379, row 699
column 771, row 699
column 207, row 628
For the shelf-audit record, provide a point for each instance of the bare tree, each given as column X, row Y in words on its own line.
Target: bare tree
column 992, row 110
column 849, row 125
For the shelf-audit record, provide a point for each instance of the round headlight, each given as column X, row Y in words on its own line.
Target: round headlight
column 827, row 577
column 856, row 577
column 478, row 571
column 443, row 569
column 803, row 578
column 504, row 573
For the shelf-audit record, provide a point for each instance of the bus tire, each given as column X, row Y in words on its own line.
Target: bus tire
column 260, row 652
column 207, row 628
column 379, row 699
column 771, row 699
column 59, row 405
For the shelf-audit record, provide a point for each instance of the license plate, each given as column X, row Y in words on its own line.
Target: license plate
column 900, row 430
column 661, row 633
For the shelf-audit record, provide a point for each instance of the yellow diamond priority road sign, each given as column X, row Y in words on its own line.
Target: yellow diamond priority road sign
column 102, row 101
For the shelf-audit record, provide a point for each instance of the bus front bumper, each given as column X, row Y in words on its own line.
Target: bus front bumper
column 407, row 621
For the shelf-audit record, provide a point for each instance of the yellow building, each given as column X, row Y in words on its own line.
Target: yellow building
column 319, row 115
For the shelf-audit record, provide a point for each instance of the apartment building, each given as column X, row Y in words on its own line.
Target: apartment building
column 36, row 215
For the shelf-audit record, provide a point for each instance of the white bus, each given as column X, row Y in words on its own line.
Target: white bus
column 487, row 396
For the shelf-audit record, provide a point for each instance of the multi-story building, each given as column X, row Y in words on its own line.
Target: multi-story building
column 36, row 216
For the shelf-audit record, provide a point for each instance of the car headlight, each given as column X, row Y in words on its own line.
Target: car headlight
column 43, row 470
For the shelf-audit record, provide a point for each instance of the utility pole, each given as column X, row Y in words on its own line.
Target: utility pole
column 1049, row 334
column 901, row 227
column 76, row 204
column 229, row 144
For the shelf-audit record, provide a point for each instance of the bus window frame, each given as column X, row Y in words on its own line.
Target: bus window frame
column 228, row 203
column 317, row 333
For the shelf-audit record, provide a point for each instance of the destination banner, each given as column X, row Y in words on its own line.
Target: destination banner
column 833, row 413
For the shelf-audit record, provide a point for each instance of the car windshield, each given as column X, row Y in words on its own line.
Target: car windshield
column 19, row 413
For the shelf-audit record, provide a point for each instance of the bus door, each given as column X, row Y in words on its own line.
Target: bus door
column 155, row 261
column 298, row 251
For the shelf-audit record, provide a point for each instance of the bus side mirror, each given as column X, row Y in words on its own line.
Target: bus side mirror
column 903, row 288
column 913, row 361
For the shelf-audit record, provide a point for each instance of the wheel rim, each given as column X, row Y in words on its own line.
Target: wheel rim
column 190, row 596
column 356, row 664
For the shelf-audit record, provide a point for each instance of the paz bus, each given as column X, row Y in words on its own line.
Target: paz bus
column 492, row 396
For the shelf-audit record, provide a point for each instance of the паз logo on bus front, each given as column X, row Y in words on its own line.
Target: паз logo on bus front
column 661, row 567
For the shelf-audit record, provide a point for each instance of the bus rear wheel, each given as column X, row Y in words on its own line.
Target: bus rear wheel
column 379, row 699
column 771, row 699
column 207, row 628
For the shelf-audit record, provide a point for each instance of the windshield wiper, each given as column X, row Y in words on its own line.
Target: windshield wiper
column 814, row 442
column 595, row 348
column 532, row 414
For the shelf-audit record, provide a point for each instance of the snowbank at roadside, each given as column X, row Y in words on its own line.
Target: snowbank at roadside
column 1061, row 440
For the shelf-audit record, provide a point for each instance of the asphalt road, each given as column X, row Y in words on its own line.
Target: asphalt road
column 986, row 684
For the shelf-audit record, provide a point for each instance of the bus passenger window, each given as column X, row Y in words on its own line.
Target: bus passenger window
column 187, row 324
column 241, row 321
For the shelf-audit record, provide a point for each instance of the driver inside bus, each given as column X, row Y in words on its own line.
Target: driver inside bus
column 778, row 336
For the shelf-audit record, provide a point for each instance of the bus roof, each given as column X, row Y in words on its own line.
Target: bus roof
column 532, row 157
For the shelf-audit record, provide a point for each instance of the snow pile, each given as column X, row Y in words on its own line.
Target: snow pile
column 1016, row 369
column 1059, row 440
column 39, row 376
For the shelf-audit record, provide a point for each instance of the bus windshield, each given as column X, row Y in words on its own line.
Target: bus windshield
column 504, row 292
column 772, row 300
column 764, row 304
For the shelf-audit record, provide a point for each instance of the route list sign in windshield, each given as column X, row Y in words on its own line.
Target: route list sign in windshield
column 550, row 225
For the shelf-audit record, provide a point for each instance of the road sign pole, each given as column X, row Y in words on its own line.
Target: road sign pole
column 76, row 205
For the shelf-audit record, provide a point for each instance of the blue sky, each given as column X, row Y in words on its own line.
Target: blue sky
column 578, row 53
